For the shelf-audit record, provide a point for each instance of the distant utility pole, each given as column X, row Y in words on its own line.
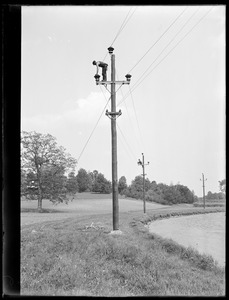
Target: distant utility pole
column 203, row 188
column 142, row 163
column 113, row 115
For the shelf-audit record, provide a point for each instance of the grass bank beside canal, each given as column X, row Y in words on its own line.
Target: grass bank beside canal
column 80, row 257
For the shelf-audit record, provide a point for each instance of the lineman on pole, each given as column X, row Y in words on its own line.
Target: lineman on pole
column 104, row 68
column 113, row 114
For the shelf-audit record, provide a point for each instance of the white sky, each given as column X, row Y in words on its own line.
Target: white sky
column 176, row 116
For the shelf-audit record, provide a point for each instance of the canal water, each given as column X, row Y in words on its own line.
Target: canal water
column 204, row 232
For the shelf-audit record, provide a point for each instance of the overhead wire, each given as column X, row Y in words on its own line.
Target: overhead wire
column 124, row 23
column 121, row 28
column 132, row 127
column 93, row 130
column 126, row 20
column 130, row 122
column 158, row 39
column 126, row 143
column 170, row 42
column 171, row 50
column 128, row 146
column 138, row 83
column 135, row 113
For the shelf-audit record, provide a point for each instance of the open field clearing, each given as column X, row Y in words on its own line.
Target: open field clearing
column 78, row 256
column 85, row 204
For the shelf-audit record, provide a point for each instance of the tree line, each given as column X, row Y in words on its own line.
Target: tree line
column 48, row 172
column 157, row 192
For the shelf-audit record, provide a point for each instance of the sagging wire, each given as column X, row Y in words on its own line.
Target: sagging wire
column 129, row 148
column 130, row 122
column 140, row 134
column 93, row 130
column 138, row 83
column 159, row 38
column 122, row 27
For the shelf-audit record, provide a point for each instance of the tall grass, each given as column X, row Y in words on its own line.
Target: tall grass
column 69, row 258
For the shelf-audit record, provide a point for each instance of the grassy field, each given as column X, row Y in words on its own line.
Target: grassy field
column 84, row 204
column 78, row 256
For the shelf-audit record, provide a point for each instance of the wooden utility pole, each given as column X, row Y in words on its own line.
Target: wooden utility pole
column 113, row 116
column 203, row 188
column 114, row 148
column 142, row 163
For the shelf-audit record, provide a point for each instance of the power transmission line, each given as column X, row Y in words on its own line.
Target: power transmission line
column 130, row 122
column 124, row 23
column 137, row 84
column 126, row 147
column 171, row 49
column 129, row 148
column 165, row 48
column 158, row 39
column 135, row 113
column 104, row 93
column 93, row 130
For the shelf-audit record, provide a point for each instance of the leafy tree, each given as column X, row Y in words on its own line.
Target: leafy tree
column 155, row 196
column 136, row 187
column 83, row 180
column 127, row 192
column 215, row 196
column 94, row 175
column 186, row 194
column 195, row 198
column 171, row 195
column 155, row 193
column 222, row 186
column 92, row 179
column 42, row 157
column 157, row 188
column 210, row 195
column 122, row 184
column 23, row 183
column 29, row 185
column 72, row 184
column 101, row 185
column 54, row 184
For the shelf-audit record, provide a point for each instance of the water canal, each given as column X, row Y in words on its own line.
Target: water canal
column 204, row 232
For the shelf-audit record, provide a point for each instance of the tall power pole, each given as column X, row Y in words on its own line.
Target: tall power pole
column 203, row 188
column 113, row 116
column 142, row 163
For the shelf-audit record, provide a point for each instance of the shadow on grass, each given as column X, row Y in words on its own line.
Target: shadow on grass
column 44, row 210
